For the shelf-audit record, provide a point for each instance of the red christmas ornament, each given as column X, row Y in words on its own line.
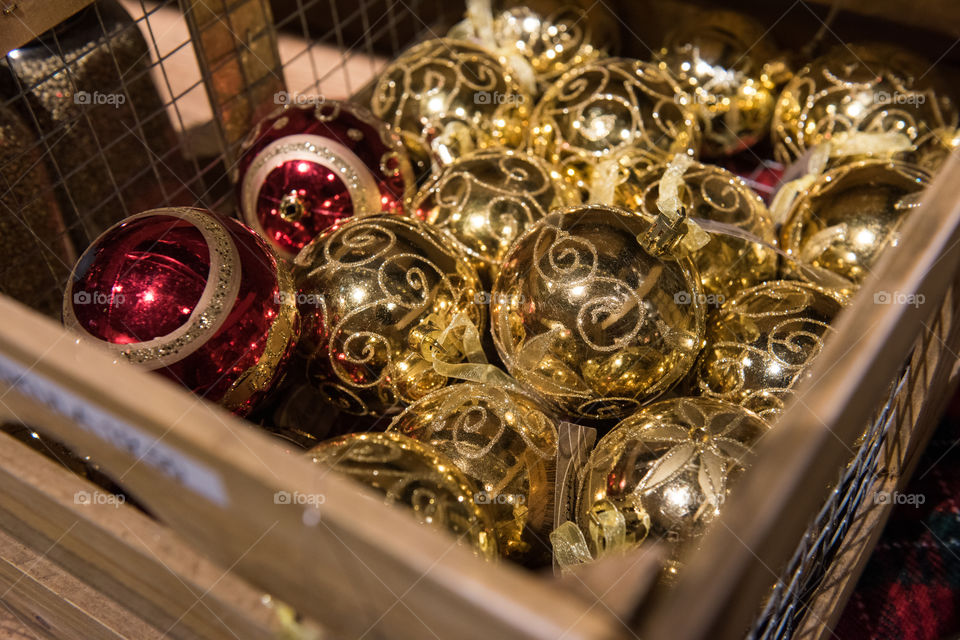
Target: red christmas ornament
column 200, row 298
column 304, row 168
column 763, row 176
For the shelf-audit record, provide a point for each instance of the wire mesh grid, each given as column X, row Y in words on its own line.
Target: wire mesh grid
column 790, row 596
column 109, row 113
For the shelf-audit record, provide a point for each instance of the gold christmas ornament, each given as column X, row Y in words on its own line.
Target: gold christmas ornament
column 541, row 39
column 850, row 214
column 551, row 43
column 378, row 295
column 860, row 88
column 592, row 320
column 599, row 109
column 486, row 199
column 727, row 263
column 505, row 444
column 760, row 344
column 664, row 473
column 448, row 97
column 728, row 66
column 415, row 475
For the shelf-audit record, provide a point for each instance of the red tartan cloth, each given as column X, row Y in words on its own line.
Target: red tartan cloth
column 910, row 589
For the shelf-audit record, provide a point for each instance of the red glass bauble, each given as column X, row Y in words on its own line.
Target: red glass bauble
column 763, row 176
column 200, row 298
column 304, row 168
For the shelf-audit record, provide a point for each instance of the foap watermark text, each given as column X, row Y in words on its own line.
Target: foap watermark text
column 285, row 97
column 97, row 98
column 685, row 297
column 98, row 298
column 895, row 497
column 297, row 498
column 98, row 497
column 497, row 97
column 898, row 297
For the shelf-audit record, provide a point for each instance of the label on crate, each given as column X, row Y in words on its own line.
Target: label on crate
column 123, row 435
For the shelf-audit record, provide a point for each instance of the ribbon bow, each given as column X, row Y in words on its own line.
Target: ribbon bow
column 608, row 532
column 465, row 345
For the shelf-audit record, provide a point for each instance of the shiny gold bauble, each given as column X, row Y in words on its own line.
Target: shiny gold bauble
column 589, row 319
column 486, row 199
column 664, row 473
column 728, row 263
column 866, row 88
column 551, row 43
column 605, row 107
column 505, row 444
column 761, row 344
column 845, row 220
column 725, row 61
column 540, row 40
column 415, row 475
column 448, row 97
column 377, row 294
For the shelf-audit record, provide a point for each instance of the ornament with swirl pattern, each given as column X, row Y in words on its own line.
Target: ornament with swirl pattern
column 196, row 297
column 762, row 343
column 486, row 199
column 728, row 263
column 728, row 65
column 664, row 474
column 448, row 97
column 415, row 475
column 589, row 319
column 504, row 442
column 850, row 215
column 305, row 167
column 556, row 41
column 377, row 295
column 607, row 106
column 869, row 88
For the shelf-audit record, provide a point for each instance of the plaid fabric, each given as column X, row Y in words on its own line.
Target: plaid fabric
column 910, row 589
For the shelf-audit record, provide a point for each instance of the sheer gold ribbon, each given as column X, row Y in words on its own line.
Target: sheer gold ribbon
column 465, row 345
column 844, row 144
column 608, row 532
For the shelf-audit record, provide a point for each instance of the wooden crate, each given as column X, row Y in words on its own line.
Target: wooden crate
column 220, row 540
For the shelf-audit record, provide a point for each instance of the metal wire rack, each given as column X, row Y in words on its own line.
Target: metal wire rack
column 110, row 113
column 788, row 602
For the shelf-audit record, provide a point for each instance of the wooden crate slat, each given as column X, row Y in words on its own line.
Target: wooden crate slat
column 121, row 552
column 23, row 20
column 213, row 479
column 42, row 596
